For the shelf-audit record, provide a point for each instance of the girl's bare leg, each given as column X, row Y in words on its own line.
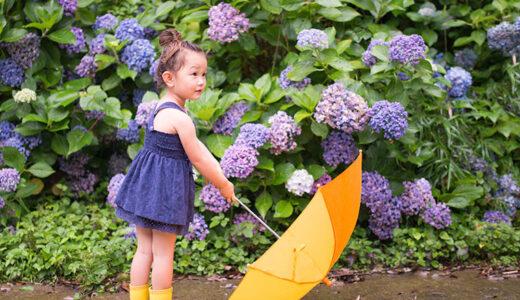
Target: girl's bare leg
column 140, row 269
column 163, row 246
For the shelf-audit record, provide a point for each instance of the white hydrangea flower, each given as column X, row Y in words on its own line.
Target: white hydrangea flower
column 195, row 174
column 300, row 182
column 426, row 11
column 25, row 95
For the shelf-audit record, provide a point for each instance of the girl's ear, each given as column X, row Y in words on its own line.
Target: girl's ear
column 167, row 77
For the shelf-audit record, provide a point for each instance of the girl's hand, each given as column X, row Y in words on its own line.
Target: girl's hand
column 228, row 192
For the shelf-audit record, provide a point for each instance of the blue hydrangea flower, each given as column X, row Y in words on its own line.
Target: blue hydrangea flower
column 225, row 23
column 69, row 6
column 496, row 216
column 25, row 50
column 239, row 161
column 139, row 55
column 230, row 119
column 214, row 201
column 87, row 67
column 504, row 37
column 402, row 76
column 390, row 118
column 507, row 185
column 323, row 180
column 107, row 21
column 84, row 183
column 384, row 217
column 153, row 68
column 9, row 180
column 374, row 188
column 75, row 164
column 144, row 112
column 282, row 132
column 11, row 73
column 130, row 134
column 130, row 29
column 437, row 215
column 512, row 204
column 416, row 196
column 198, row 229
column 407, row 49
column 113, row 188
column 96, row 45
column 254, row 135
column 339, row 147
column 367, row 57
column 6, row 130
column 460, row 80
column 78, row 45
column 17, row 143
column 313, row 38
column 466, row 58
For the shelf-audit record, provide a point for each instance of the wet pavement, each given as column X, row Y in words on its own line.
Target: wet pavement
column 467, row 284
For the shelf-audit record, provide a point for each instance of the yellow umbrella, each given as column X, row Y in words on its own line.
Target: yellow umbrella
column 305, row 253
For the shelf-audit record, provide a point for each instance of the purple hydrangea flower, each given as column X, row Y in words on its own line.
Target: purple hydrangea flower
column 496, row 216
column 144, row 112
column 198, row 228
column 239, row 161
column 339, row 147
column 254, row 135
column 96, row 45
column 323, row 180
column 150, row 33
column 384, row 218
column 9, row 179
column 78, row 45
column 285, row 82
column 69, row 6
column 153, row 68
column 131, row 233
column 507, row 185
column 437, row 215
column 466, row 58
column 130, row 134
column 460, row 80
column 130, row 29
column 402, row 76
column 118, row 163
column 374, row 188
column 367, row 57
column 239, row 219
column 11, row 73
column 87, row 67
column 407, row 49
column 107, row 21
column 477, row 164
column 342, row 109
column 512, row 204
column 282, row 132
column 300, row 182
column 17, row 143
column 390, row 118
column 2, row 203
column 84, row 183
column 230, row 119
column 113, row 188
column 504, row 37
column 139, row 55
column 214, row 201
column 75, row 164
column 416, row 196
column 6, row 130
column 225, row 22
column 25, row 50
column 314, row 38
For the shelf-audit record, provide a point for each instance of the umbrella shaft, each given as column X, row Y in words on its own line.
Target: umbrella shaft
column 258, row 218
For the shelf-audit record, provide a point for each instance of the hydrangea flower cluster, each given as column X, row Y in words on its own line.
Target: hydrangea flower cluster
column 254, row 135
column 507, row 185
column 437, row 215
column 239, row 161
column 416, row 196
column 339, row 147
column 153, row 68
column 11, row 73
column 230, row 119
column 144, row 112
column 342, row 109
column 107, row 21
column 78, row 45
column 390, row 118
column 407, row 49
column 25, row 50
column 69, row 6
column 466, row 58
column 130, row 29
column 131, row 233
column 139, row 55
column 368, row 59
column 113, row 188
column 118, row 163
column 25, row 96
column 8, row 137
column 504, row 37
column 17, row 143
column 460, row 81
column 74, row 166
column 225, row 22
column 83, row 183
column 300, row 182
column 374, row 188
column 402, row 76
column 427, row 12
column 2, row 203
column 241, row 218
column 512, row 204
column 96, row 45
column 323, row 180
column 496, row 216
column 285, row 82
column 282, row 132
column 9, row 179
column 130, row 134
column 214, row 201
column 313, row 38
column 385, row 217
column 87, row 67
column 198, row 228
column 477, row 164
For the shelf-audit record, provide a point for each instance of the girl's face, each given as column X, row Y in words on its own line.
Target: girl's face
column 190, row 80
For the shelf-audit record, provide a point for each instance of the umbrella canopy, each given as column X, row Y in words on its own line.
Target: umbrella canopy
column 305, row 253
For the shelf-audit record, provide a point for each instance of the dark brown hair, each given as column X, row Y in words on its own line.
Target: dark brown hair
column 172, row 56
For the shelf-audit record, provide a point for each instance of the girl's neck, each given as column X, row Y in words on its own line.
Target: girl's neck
column 171, row 97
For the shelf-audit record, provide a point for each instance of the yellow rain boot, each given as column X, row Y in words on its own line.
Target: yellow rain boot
column 139, row 292
column 165, row 294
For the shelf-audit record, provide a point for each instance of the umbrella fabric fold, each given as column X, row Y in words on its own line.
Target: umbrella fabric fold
column 306, row 252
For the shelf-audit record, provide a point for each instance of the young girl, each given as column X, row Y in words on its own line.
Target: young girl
column 158, row 192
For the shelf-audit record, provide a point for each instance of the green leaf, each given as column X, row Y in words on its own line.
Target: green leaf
column 113, row 108
column 282, row 173
column 319, row 129
column 133, row 149
column 462, row 41
column 13, row 34
column 247, row 91
column 250, row 116
column 63, row 36
column 57, row 114
column 263, row 84
column 380, row 52
column 430, row 36
column 479, row 37
column 41, row 169
column 60, row 145
column 301, row 114
column 458, row 202
column 379, row 67
column 329, row 12
column 62, row 98
column 124, row 72
column 274, row 95
column 30, row 128
column 218, row 143
column 265, row 163
column 27, row 288
column 272, row 6
column 197, row 16
column 13, row 158
column 164, row 8
column 263, row 203
column 343, row 45
column 111, row 82
column 454, row 23
column 283, row 209
column 301, row 69
column 77, row 84
column 347, row 14
column 329, row 3
column 78, row 139
column 316, row 171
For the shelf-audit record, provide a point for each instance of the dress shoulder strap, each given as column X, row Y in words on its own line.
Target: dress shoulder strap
column 159, row 107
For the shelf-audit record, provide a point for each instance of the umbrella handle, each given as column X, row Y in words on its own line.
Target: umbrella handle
column 258, row 218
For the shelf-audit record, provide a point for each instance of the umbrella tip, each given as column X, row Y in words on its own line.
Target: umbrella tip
column 327, row 282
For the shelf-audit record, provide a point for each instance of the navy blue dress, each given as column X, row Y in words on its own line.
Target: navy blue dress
column 159, row 191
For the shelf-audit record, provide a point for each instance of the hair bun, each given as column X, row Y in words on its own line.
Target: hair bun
column 169, row 36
